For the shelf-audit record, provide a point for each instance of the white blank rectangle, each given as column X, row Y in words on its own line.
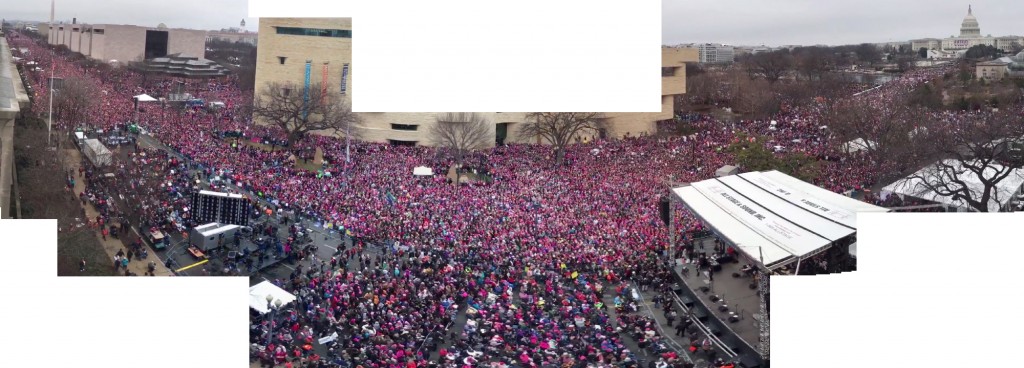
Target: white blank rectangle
column 150, row 321
column 530, row 55
column 911, row 297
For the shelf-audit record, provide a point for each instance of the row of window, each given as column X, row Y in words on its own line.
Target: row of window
column 321, row 32
column 96, row 31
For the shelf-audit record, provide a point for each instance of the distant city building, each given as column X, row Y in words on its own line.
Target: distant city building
column 715, row 53
column 296, row 51
column 232, row 36
column 926, row 43
column 893, row 45
column 127, row 43
column 970, row 36
column 993, row 70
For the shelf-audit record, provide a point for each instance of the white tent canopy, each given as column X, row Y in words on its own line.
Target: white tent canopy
column 857, row 145
column 145, row 98
column 422, row 171
column 914, row 186
column 726, row 171
column 770, row 218
column 258, row 296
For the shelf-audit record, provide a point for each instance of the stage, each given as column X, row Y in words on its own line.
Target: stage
column 742, row 336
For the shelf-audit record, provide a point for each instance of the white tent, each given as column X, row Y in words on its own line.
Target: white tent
column 770, row 218
column 1004, row 191
column 258, row 296
column 726, row 171
column 422, row 171
column 145, row 98
column 857, row 145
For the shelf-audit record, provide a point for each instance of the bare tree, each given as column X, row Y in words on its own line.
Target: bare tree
column 883, row 132
column 74, row 102
column 560, row 128
column 812, row 62
column 461, row 132
column 298, row 113
column 973, row 160
column 755, row 97
column 868, row 53
column 772, row 66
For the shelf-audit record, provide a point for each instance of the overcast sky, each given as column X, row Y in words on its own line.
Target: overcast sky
column 195, row 14
column 736, row 22
column 830, row 22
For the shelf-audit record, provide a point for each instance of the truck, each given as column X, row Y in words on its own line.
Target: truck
column 97, row 153
column 212, row 235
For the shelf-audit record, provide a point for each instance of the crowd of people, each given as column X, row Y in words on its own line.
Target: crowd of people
column 532, row 257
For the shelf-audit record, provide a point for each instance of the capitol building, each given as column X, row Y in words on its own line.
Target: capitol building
column 970, row 35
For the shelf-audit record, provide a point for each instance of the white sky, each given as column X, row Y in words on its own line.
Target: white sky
column 830, row 22
column 195, row 14
column 737, row 22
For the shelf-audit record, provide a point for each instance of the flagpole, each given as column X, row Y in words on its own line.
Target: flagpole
column 49, row 33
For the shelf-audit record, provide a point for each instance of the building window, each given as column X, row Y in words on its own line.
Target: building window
column 98, row 31
column 74, row 29
column 321, row 32
column 409, row 127
column 281, row 59
column 286, row 91
column 668, row 72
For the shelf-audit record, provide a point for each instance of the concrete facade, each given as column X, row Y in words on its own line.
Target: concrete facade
column 297, row 49
column 13, row 99
column 926, row 43
column 991, row 70
column 124, row 43
column 412, row 127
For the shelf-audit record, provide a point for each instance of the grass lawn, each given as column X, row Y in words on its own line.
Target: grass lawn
column 43, row 196
column 74, row 246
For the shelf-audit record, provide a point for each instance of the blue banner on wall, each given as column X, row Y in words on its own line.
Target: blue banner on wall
column 344, row 78
column 305, row 92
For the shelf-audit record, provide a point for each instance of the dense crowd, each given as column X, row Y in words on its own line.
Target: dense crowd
column 534, row 256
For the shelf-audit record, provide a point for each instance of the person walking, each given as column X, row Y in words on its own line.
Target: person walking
column 81, row 265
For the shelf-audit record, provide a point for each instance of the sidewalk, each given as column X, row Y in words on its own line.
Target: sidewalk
column 111, row 245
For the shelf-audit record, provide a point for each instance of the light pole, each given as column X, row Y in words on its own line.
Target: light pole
column 272, row 307
column 49, row 123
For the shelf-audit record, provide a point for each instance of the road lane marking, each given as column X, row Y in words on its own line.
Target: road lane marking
column 192, row 265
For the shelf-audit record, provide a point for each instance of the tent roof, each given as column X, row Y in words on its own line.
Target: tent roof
column 97, row 147
column 422, row 171
column 1004, row 190
column 733, row 230
column 837, row 200
column 770, row 217
column 145, row 98
column 858, row 144
column 258, row 296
